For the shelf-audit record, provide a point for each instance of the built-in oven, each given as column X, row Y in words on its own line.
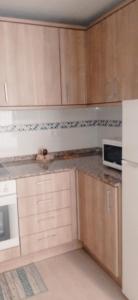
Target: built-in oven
column 4, row 223
column 9, row 234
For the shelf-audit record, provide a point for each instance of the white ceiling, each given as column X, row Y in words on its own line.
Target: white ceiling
column 68, row 11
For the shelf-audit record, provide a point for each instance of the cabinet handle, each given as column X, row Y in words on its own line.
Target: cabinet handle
column 67, row 93
column 6, row 92
column 108, row 202
column 46, row 200
column 46, row 218
column 48, row 236
column 43, row 181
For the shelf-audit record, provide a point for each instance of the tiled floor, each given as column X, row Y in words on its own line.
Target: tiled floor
column 75, row 276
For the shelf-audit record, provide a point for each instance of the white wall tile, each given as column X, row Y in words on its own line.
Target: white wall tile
column 109, row 113
column 24, row 143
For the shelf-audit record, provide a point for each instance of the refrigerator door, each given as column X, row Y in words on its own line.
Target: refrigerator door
column 130, row 131
column 130, row 230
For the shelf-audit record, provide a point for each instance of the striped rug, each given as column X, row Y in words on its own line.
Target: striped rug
column 21, row 283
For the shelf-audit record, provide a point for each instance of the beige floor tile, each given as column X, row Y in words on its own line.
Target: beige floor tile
column 75, row 276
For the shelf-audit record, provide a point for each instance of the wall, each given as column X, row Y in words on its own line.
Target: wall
column 24, row 132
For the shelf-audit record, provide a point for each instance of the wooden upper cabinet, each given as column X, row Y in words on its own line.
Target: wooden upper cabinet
column 73, row 66
column 103, row 82
column 31, row 65
column 99, row 221
column 127, row 45
column 46, row 59
column 3, row 101
column 112, row 57
column 111, row 82
column 95, row 64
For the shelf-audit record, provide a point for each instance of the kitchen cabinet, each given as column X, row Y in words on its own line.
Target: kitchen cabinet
column 46, row 65
column 112, row 57
column 112, row 88
column 52, row 219
column 30, row 65
column 100, row 222
column 73, row 66
column 95, row 66
column 127, row 45
column 3, row 100
column 103, row 81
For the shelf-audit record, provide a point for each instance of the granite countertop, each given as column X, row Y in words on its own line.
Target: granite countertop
column 91, row 165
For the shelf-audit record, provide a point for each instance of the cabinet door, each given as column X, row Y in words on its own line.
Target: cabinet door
column 112, row 86
column 95, row 65
column 31, row 64
column 103, row 81
column 46, row 65
column 127, row 43
column 99, row 221
column 3, row 98
column 73, row 66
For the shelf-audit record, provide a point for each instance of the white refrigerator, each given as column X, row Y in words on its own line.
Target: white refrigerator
column 130, row 199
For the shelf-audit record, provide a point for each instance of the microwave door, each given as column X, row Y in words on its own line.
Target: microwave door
column 113, row 154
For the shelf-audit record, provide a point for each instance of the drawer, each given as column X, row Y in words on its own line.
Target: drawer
column 44, row 203
column 43, row 184
column 45, row 240
column 38, row 223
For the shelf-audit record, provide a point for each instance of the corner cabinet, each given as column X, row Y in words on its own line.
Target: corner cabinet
column 112, row 57
column 103, row 81
column 73, row 66
column 29, row 64
column 127, row 44
column 100, row 222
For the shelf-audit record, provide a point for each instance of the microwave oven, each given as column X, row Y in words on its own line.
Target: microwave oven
column 112, row 153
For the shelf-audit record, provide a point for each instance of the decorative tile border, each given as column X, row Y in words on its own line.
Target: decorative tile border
column 60, row 125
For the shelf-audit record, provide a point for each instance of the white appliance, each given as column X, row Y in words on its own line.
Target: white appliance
column 9, row 235
column 112, row 153
column 130, row 199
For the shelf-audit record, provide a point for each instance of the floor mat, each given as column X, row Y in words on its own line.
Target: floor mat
column 21, row 283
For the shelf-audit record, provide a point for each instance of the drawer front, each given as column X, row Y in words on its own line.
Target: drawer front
column 45, row 240
column 43, row 184
column 38, row 223
column 44, row 203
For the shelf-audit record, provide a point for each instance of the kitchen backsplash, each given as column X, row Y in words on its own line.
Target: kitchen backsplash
column 109, row 113
column 23, row 132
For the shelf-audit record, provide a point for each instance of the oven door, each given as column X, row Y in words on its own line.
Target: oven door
column 4, row 223
column 9, row 235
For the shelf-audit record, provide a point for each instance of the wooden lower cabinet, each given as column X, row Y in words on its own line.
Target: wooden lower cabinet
column 47, row 211
column 46, row 239
column 100, row 222
column 45, row 221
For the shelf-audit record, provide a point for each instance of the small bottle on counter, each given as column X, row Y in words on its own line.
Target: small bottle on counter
column 43, row 155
